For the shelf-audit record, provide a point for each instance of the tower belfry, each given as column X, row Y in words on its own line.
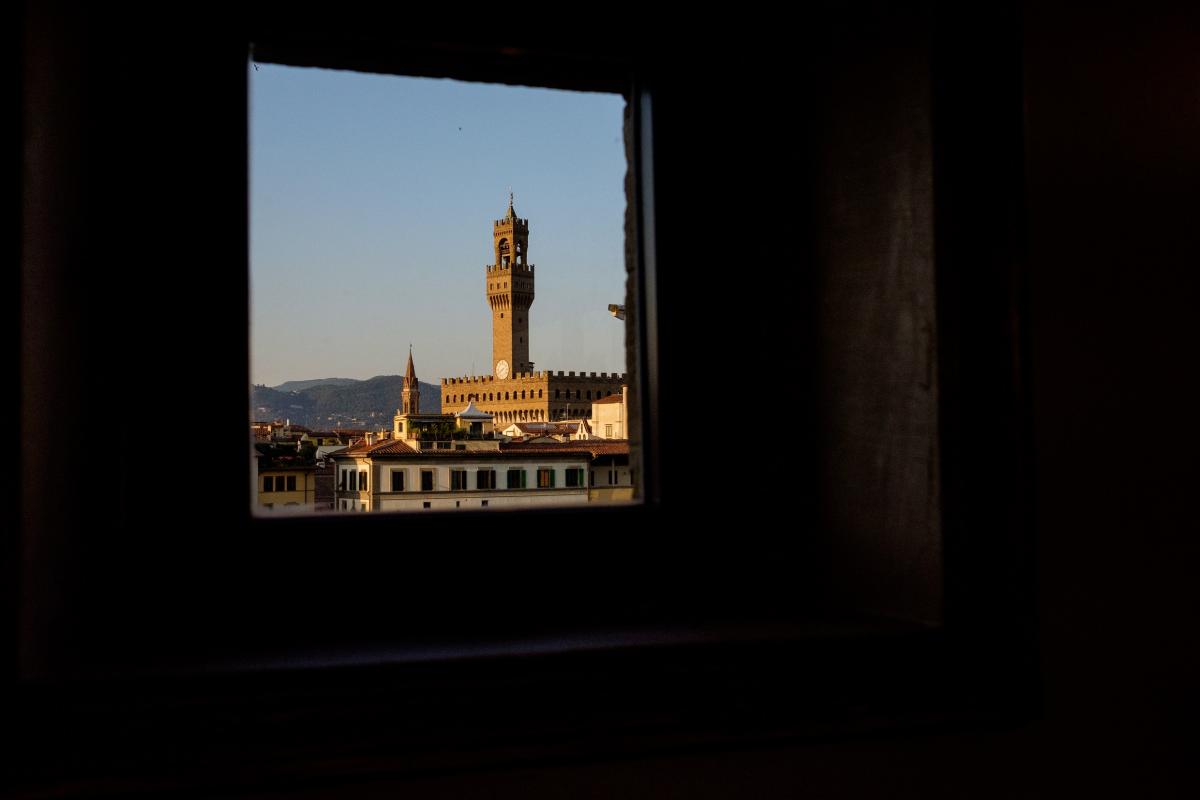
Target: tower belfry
column 510, row 294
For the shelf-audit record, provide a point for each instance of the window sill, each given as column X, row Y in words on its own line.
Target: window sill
column 450, row 705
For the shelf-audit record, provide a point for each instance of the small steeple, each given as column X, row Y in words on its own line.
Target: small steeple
column 511, row 213
column 410, row 373
column 410, row 395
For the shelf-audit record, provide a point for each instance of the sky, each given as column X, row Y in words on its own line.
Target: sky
column 372, row 199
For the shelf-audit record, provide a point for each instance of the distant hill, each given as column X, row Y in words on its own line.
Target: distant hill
column 300, row 386
column 339, row 402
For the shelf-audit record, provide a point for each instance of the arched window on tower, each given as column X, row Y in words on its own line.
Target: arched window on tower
column 502, row 249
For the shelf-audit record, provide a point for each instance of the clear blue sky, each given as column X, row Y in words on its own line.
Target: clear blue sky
column 371, row 206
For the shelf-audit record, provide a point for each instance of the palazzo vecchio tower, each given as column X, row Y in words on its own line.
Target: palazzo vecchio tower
column 514, row 392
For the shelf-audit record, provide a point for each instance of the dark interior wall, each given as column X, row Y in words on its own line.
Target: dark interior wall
column 877, row 377
column 133, row 279
column 1113, row 123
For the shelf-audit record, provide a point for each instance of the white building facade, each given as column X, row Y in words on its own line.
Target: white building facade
column 391, row 476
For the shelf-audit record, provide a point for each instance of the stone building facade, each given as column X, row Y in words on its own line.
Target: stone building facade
column 515, row 392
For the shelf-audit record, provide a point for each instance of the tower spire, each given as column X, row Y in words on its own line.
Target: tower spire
column 410, row 372
column 410, row 394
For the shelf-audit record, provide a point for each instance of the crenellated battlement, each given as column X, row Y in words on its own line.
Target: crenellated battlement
column 536, row 376
column 509, row 268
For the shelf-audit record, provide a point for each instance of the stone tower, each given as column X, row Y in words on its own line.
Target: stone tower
column 510, row 294
column 410, row 395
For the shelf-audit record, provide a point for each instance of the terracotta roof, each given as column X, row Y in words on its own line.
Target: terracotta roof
column 549, row 428
column 388, row 447
column 507, row 451
column 612, row 398
column 595, row 447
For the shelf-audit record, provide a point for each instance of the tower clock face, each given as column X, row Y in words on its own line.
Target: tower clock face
column 501, row 369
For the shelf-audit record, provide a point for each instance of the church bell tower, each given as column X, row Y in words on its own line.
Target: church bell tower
column 410, row 393
column 510, row 294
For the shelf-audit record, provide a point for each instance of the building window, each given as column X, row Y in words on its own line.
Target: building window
column 426, row 504
column 485, row 479
column 574, row 477
column 576, row 394
column 557, row 394
column 397, row 480
column 539, row 394
column 589, row 394
column 427, row 482
column 362, row 481
column 516, row 479
column 608, row 431
column 545, row 478
column 268, row 484
column 458, row 479
column 483, row 504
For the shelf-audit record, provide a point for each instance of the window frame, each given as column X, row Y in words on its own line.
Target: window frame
column 522, row 478
column 762, row 668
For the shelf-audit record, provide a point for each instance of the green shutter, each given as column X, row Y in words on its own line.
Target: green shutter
column 551, row 479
